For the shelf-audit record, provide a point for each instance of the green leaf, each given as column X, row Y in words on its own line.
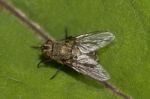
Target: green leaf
column 126, row 59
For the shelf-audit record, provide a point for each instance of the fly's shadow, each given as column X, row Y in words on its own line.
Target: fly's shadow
column 60, row 67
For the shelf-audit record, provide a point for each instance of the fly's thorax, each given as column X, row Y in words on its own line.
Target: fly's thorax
column 62, row 50
column 47, row 49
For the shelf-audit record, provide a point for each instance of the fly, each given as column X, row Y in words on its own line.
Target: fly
column 79, row 53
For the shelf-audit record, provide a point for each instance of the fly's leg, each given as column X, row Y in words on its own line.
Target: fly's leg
column 36, row 47
column 38, row 65
column 58, row 70
column 66, row 34
column 42, row 61
column 54, row 75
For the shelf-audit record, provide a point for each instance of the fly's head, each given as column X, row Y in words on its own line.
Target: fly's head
column 47, row 49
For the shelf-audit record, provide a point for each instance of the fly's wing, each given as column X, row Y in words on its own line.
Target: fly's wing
column 88, row 66
column 91, row 42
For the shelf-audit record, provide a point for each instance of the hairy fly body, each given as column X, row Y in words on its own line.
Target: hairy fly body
column 79, row 53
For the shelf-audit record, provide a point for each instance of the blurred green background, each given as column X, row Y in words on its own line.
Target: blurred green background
column 126, row 59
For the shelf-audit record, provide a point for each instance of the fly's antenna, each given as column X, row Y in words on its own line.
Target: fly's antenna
column 24, row 19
